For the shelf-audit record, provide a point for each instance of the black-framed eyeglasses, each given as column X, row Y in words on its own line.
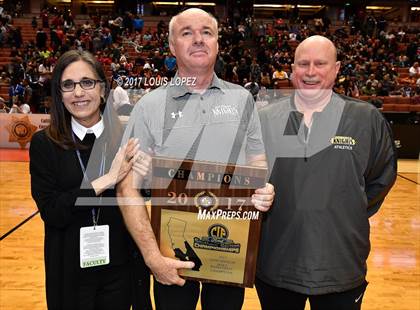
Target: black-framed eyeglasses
column 86, row 84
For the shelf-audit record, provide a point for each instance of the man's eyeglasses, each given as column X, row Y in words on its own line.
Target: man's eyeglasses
column 86, row 84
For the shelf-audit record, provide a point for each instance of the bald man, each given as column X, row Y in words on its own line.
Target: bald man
column 332, row 160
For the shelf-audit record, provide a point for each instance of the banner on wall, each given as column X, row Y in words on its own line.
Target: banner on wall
column 16, row 130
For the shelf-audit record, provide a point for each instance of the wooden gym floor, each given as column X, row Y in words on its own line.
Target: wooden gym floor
column 394, row 262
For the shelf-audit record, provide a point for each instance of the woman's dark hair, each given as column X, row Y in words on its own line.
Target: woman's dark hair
column 59, row 130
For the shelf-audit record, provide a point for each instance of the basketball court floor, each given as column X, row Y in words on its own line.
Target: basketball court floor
column 393, row 265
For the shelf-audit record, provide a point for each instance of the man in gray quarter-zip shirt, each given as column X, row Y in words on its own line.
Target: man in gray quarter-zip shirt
column 206, row 119
column 333, row 161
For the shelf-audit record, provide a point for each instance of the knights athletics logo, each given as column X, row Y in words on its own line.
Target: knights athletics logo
column 21, row 130
column 343, row 142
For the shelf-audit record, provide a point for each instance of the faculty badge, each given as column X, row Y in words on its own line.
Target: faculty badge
column 21, row 130
column 206, row 200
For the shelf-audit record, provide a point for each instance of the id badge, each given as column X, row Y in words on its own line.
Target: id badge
column 94, row 246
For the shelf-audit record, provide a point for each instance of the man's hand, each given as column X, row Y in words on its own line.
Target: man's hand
column 263, row 197
column 165, row 270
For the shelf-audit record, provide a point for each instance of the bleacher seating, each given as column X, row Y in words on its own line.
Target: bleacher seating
column 28, row 33
column 396, row 104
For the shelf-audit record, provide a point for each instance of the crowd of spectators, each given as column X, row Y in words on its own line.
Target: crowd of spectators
column 371, row 61
column 254, row 53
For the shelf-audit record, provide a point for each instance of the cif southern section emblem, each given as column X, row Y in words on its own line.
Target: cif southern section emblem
column 206, row 200
column 217, row 240
column 20, row 130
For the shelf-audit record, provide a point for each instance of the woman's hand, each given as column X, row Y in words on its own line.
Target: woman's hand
column 120, row 167
column 124, row 160
column 142, row 165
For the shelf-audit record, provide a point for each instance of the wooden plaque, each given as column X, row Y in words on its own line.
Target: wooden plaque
column 202, row 212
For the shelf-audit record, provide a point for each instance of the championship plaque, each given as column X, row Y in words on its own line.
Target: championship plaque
column 202, row 212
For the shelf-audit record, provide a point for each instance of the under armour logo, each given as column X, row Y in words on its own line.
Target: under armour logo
column 174, row 115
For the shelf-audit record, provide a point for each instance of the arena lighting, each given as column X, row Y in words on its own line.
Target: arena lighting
column 186, row 3
column 273, row 6
column 94, row 1
column 166, row 3
column 287, row 6
column 415, row 8
column 374, row 8
column 304, row 6
column 201, row 3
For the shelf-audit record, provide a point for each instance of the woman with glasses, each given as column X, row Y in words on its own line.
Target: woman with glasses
column 75, row 164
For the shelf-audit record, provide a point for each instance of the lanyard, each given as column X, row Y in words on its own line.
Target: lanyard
column 95, row 218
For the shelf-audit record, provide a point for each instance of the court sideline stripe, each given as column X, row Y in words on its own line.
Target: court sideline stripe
column 408, row 179
column 18, row 225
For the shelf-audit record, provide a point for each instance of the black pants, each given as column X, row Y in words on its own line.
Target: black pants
column 213, row 296
column 275, row 298
column 107, row 289
column 140, row 281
